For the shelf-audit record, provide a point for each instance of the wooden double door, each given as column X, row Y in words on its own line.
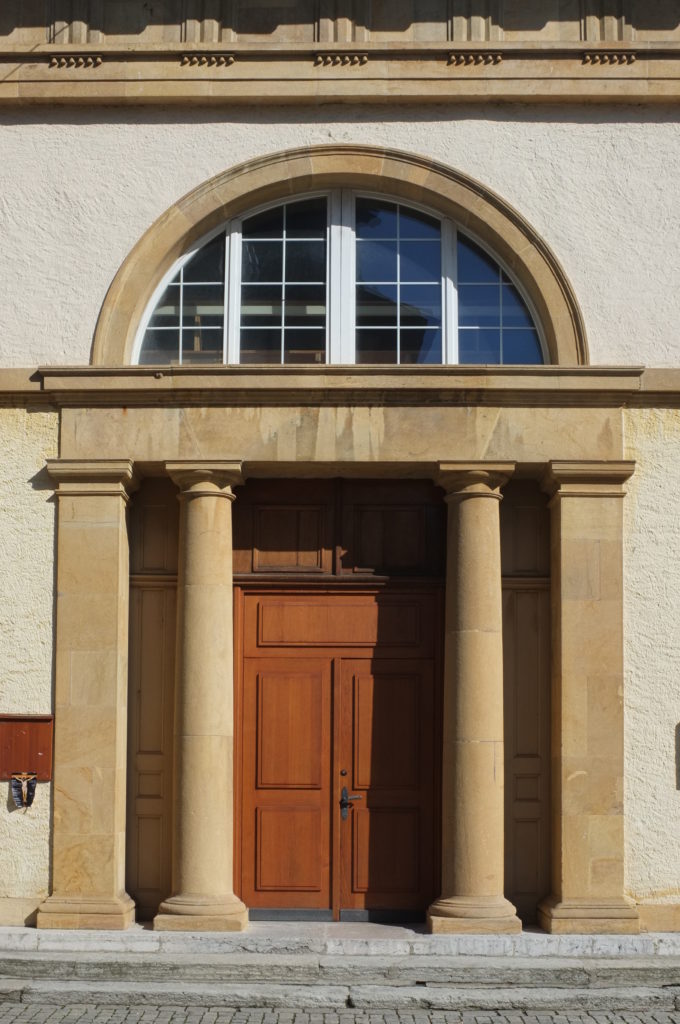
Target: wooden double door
column 339, row 750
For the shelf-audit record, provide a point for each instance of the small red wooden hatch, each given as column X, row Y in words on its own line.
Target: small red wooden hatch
column 26, row 745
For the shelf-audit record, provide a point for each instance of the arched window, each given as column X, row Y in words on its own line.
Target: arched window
column 339, row 278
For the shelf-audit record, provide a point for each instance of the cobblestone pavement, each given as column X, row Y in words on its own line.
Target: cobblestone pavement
column 36, row 1013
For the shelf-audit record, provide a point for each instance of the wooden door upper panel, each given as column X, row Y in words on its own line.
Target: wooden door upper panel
column 342, row 527
column 401, row 624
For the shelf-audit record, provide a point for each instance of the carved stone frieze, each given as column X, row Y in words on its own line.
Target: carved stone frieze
column 207, row 60
column 609, row 57
column 337, row 60
column 467, row 58
column 75, row 60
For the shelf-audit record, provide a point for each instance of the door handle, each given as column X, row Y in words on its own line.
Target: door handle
column 345, row 801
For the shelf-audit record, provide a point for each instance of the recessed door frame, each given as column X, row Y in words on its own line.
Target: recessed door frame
column 249, row 587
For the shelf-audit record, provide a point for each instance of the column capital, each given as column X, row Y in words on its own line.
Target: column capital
column 587, row 479
column 198, row 478
column 93, row 477
column 473, row 479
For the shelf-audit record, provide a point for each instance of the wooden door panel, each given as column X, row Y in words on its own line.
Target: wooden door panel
column 290, row 849
column 387, row 731
column 290, row 730
column 400, row 625
column 526, row 656
column 286, row 818
column 149, row 829
column 387, row 742
column 386, row 855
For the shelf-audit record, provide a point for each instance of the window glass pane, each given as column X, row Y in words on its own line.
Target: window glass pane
column 203, row 305
column 306, row 261
column 479, row 346
column 208, row 263
column 375, row 219
column 421, row 305
column 160, row 347
column 376, row 304
column 305, row 305
column 421, row 346
column 479, row 305
column 376, row 346
column 474, row 266
column 305, row 346
column 377, row 261
column 515, row 312
column 521, row 347
column 260, row 346
column 264, row 225
column 413, row 224
column 262, row 261
column 261, row 305
column 201, row 345
column 307, row 219
column 166, row 313
column 420, row 261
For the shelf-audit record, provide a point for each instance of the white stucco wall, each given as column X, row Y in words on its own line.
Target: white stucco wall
column 652, row 655
column 26, row 625
column 78, row 188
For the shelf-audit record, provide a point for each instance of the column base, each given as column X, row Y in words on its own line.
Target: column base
column 485, row 915
column 76, row 912
column 194, row 913
column 589, row 917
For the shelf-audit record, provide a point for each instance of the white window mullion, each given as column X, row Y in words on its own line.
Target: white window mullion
column 233, row 310
column 347, row 283
column 225, row 316
column 449, row 293
column 181, row 312
column 283, row 287
column 334, row 297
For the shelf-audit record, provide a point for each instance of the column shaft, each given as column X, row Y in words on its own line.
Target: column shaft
column 203, row 896
column 472, row 782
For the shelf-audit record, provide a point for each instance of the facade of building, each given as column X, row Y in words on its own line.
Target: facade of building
column 339, row 393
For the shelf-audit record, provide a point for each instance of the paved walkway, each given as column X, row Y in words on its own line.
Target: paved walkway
column 15, row 1013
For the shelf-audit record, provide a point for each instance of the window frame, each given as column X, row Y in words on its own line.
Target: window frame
column 340, row 283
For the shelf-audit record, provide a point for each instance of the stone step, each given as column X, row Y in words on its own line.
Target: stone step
column 313, row 970
column 296, row 938
column 337, row 997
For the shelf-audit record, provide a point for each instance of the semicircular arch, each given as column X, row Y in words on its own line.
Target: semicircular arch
column 471, row 205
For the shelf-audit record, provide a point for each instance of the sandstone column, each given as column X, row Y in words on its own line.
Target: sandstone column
column 472, row 781
column 90, row 736
column 203, row 896
column 587, row 699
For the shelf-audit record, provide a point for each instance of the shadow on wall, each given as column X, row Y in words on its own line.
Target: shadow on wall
column 294, row 19
column 677, row 756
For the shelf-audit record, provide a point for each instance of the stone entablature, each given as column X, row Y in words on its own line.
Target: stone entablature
column 309, row 73
column 31, row 22
column 234, row 51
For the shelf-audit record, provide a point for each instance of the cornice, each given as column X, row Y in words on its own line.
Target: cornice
column 359, row 71
column 588, row 386
column 341, row 385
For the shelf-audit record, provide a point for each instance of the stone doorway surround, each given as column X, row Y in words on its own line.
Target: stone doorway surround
column 573, row 445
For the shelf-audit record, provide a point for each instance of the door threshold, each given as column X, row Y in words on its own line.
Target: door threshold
column 348, row 916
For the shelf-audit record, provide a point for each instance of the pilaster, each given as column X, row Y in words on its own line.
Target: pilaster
column 88, row 887
column 587, row 699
